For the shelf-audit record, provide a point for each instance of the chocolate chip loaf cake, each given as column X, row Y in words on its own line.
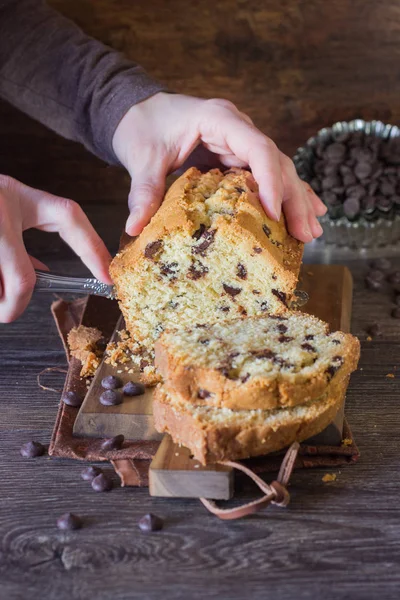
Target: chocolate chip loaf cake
column 209, row 254
column 255, row 363
column 217, row 434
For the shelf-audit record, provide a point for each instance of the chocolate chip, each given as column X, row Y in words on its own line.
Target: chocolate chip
column 199, row 232
column 256, row 292
column 387, row 189
column 285, row 338
column 337, row 342
column 330, row 182
column 241, row 271
column 224, row 308
column 267, row 353
column 396, row 312
column 153, row 248
column 69, row 522
column 143, row 364
column 308, row 347
column 203, row 394
column 355, row 191
column 384, row 204
column 150, row 523
column 101, row 483
column 335, row 152
column 281, row 295
column 114, row 443
column 257, row 249
column 132, row 388
column 111, row 382
column 197, row 270
column 373, row 330
column 232, row 291
column 245, row 378
column 277, row 318
column 266, row 230
column 205, row 342
column 349, row 180
column 32, row 449
column 281, row 328
column 363, row 170
column 72, row 399
column 240, row 190
column 90, row 473
column 309, row 337
column 169, row 269
column 374, row 280
column 264, row 306
column 382, row 264
column 351, row 207
column 207, row 238
column 111, row 398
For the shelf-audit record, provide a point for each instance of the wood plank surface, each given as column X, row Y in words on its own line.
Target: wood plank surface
column 294, row 66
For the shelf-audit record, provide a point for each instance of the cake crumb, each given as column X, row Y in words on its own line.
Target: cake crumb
column 347, row 442
column 82, row 342
column 329, row 477
column 390, row 375
column 369, row 338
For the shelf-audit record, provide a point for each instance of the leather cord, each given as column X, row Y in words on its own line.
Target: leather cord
column 274, row 492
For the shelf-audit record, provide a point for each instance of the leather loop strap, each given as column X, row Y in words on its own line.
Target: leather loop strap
column 274, row 493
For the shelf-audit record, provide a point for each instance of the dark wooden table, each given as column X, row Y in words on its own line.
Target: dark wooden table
column 294, row 66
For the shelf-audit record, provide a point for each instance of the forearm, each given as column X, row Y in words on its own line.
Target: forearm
column 63, row 78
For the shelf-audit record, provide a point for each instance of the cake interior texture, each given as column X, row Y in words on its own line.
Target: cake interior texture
column 209, row 254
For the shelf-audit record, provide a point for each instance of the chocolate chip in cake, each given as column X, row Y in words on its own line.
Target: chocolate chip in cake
column 111, row 382
column 242, row 311
column 114, row 443
column 131, row 388
column 90, row 473
column 111, row 398
column 245, row 378
column 72, row 399
column 264, row 306
column 241, row 271
column 308, row 347
column 240, row 190
column 277, row 317
column 150, row 523
column 396, row 313
column 281, row 295
column 333, row 368
column 266, row 230
column 232, row 291
column 309, row 337
column 32, row 449
column 274, row 277
column 197, row 270
column 152, row 249
column 224, row 308
column 373, row 330
column 207, row 238
column 205, row 342
column 375, row 279
column 337, row 342
column 256, row 292
column 281, row 328
column 199, row 232
column 257, row 249
column 69, row 522
column 285, row 338
column 203, row 394
column 266, row 353
column 169, row 270
column 101, row 483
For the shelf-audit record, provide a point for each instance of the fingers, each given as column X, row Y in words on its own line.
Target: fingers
column 52, row 213
column 17, row 277
column 146, row 193
column 316, row 203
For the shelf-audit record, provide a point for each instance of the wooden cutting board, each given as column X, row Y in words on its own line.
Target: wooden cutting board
column 173, row 472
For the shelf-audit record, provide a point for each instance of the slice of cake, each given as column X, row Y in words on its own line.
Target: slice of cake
column 217, row 434
column 209, row 254
column 255, row 363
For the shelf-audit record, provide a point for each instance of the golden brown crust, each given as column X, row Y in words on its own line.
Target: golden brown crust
column 217, row 442
column 217, row 390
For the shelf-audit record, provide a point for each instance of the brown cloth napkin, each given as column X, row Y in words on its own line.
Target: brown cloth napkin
column 133, row 460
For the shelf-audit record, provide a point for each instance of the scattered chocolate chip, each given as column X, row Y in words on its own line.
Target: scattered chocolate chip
column 207, row 238
column 153, row 248
column 373, row 330
column 280, row 295
column 241, row 271
column 32, row 449
column 101, row 483
column 69, row 522
column 363, row 170
column 199, row 232
column 150, row 523
column 396, row 312
column 309, row 337
column 203, row 394
column 114, row 443
column 285, row 338
column 197, row 270
column 335, row 152
column 266, row 230
column 90, row 473
column 111, row 382
column 308, row 347
column 72, row 399
column 257, row 249
column 375, row 279
column 132, row 388
column 111, row 398
column 232, row 291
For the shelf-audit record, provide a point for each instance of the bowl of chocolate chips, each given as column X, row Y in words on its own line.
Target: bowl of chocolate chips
column 354, row 167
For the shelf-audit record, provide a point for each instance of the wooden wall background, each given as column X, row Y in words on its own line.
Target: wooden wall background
column 292, row 65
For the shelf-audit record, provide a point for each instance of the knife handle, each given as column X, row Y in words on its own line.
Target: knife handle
column 50, row 282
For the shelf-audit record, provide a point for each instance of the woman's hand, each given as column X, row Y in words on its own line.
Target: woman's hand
column 158, row 135
column 21, row 208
